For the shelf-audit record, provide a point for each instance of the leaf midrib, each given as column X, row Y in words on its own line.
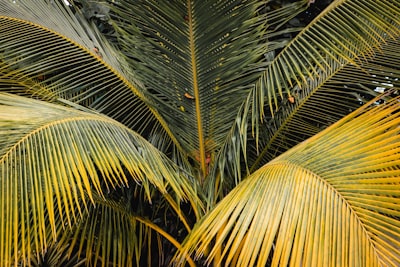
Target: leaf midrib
column 196, row 91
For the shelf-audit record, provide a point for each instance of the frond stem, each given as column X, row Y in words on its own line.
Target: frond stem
column 202, row 151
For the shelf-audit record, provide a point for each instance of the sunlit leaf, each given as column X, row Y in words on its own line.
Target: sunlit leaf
column 52, row 162
column 332, row 200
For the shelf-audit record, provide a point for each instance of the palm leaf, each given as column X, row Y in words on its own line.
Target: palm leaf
column 54, row 158
column 57, row 255
column 49, row 52
column 327, row 99
column 199, row 74
column 331, row 200
column 111, row 234
column 343, row 32
column 326, row 77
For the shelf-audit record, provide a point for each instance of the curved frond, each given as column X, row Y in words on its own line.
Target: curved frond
column 332, row 200
column 343, row 32
column 53, row 158
column 111, row 234
column 327, row 99
column 325, row 78
column 48, row 50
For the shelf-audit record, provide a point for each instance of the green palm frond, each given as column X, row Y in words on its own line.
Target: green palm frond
column 199, row 59
column 333, row 200
column 334, row 60
column 53, row 158
column 327, row 99
column 343, row 32
column 54, row 54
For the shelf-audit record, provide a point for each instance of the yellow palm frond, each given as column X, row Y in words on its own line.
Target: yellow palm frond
column 111, row 234
column 326, row 71
column 333, row 200
column 53, row 159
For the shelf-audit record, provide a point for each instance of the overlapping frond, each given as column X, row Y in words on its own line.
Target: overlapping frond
column 343, row 32
column 112, row 235
column 57, row 255
column 327, row 99
column 51, row 160
column 51, row 52
column 199, row 59
column 194, row 78
column 327, row 70
column 332, row 200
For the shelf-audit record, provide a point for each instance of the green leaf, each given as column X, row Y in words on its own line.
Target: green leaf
column 49, row 52
column 111, row 234
column 324, row 83
column 327, row 99
column 343, row 32
column 199, row 59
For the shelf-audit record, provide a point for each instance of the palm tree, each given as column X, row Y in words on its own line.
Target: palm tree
column 237, row 133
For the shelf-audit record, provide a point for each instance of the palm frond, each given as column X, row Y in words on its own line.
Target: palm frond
column 53, row 158
column 343, row 32
column 326, row 78
column 57, row 255
column 331, row 200
column 199, row 74
column 111, row 234
column 327, row 99
column 54, row 53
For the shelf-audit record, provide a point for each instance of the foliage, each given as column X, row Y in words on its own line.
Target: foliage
column 245, row 133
